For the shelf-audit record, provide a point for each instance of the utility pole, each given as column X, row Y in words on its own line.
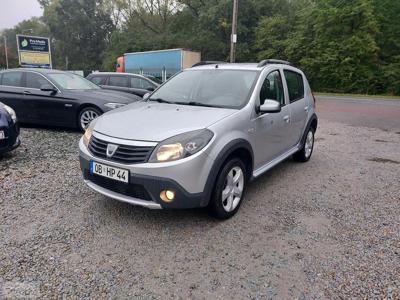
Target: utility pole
column 234, row 31
column 5, row 50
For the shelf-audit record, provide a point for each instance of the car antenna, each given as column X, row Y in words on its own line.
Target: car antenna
column 216, row 66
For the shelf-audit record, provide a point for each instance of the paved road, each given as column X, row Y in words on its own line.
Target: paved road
column 373, row 113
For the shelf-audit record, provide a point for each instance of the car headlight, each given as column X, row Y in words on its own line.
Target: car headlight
column 88, row 132
column 11, row 112
column 181, row 146
column 113, row 105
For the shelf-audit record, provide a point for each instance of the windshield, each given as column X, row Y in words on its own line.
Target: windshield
column 72, row 81
column 214, row 88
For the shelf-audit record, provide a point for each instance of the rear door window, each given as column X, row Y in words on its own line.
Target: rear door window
column 96, row 79
column 295, row 85
column 140, row 83
column 12, row 79
column 35, row 81
column 121, row 81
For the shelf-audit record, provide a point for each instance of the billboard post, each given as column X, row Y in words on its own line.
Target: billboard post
column 34, row 51
column 5, row 50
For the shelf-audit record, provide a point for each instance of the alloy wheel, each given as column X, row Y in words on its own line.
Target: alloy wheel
column 233, row 189
column 88, row 116
column 308, row 146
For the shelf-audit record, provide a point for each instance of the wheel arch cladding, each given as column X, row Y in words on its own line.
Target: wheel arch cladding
column 312, row 123
column 237, row 148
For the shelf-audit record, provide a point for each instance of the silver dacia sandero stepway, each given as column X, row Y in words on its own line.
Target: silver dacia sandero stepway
column 199, row 138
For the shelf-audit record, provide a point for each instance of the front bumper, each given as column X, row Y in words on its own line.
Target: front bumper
column 146, row 182
column 12, row 140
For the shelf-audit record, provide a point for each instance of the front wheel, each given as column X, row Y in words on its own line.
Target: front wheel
column 87, row 115
column 229, row 190
column 304, row 154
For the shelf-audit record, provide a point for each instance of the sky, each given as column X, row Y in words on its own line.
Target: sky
column 14, row 11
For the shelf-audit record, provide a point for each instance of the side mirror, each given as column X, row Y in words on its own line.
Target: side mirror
column 48, row 88
column 146, row 96
column 270, row 106
column 151, row 89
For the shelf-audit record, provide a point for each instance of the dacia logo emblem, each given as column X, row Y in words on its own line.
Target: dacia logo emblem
column 111, row 149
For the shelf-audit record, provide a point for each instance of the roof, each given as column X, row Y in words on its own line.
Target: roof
column 163, row 50
column 115, row 73
column 241, row 66
column 38, row 70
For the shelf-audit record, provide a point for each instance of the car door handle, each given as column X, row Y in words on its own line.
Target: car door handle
column 286, row 119
column 27, row 93
column 306, row 108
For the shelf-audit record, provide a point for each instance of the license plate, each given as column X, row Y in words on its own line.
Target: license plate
column 109, row 172
column 2, row 135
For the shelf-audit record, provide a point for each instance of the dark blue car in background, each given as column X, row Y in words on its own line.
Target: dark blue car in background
column 9, row 129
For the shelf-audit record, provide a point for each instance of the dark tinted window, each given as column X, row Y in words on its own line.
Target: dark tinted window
column 121, row 81
column 295, row 85
column 272, row 88
column 96, row 79
column 12, row 78
column 139, row 83
column 35, row 81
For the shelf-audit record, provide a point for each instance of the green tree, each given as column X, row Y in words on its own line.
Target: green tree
column 80, row 31
column 334, row 41
column 387, row 13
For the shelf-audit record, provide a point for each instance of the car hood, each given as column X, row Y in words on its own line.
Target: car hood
column 151, row 121
column 104, row 95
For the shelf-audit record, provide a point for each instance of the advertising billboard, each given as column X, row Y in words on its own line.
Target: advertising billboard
column 34, row 51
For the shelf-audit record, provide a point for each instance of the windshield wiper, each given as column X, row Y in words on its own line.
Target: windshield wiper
column 159, row 100
column 195, row 103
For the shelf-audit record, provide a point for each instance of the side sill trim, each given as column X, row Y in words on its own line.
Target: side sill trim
column 275, row 161
column 123, row 198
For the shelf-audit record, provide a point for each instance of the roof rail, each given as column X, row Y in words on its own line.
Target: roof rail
column 203, row 63
column 265, row 62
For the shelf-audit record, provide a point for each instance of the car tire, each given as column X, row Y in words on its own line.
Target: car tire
column 229, row 190
column 87, row 115
column 304, row 154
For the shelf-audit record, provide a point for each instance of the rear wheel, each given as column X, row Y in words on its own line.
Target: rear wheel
column 229, row 190
column 87, row 115
column 305, row 153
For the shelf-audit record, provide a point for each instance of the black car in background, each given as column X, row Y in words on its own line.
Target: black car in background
column 52, row 97
column 9, row 129
column 125, row 82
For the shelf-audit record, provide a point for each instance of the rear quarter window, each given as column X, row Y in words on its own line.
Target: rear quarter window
column 121, row 81
column 96, row 79
column 295, row 85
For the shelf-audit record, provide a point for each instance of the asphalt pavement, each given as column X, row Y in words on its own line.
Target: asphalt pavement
column 366, row 112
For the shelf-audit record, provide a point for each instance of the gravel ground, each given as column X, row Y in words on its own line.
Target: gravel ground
column 329, row 228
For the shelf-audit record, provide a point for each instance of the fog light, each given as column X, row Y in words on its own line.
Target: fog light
column 167, row 195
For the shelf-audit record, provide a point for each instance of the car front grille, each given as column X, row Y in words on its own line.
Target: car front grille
column 132, row 190
column 124, row 154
